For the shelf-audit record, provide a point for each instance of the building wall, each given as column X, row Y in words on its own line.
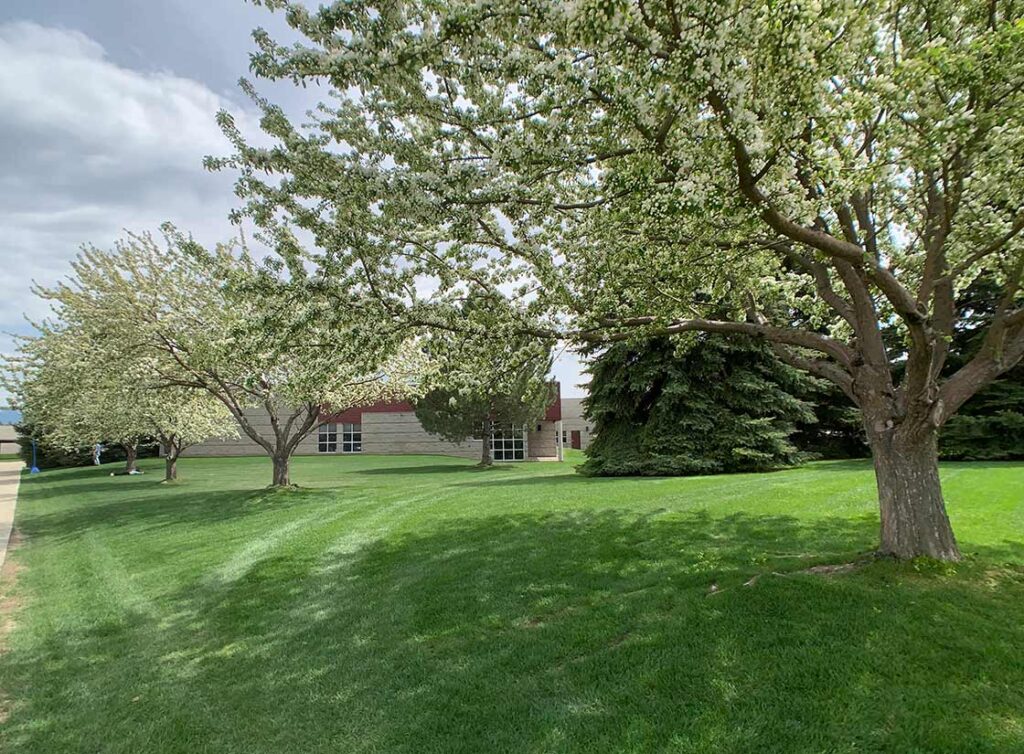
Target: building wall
column 573, row 419
column 542, row 440
column 401, row 433
column 8, row 439
column 385, row 433
column 240, row 445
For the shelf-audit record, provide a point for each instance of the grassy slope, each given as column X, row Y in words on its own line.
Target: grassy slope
column 419, row 605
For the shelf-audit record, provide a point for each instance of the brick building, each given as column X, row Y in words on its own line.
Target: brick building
column 393, row 429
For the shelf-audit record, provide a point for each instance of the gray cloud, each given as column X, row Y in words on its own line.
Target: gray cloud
column 90, row 148
column 98, row 138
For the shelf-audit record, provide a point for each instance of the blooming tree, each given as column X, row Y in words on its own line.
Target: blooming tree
column 486, row 372
column 263, row 341
column 181, row 418
column 63, row 401
column 78, row 393
column 804, row 172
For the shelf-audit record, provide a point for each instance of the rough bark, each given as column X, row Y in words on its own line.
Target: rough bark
column 913, row 513
column 282, row 469
column 171, row 468
column 485, row 453
column 131, row 455
column 171, row 453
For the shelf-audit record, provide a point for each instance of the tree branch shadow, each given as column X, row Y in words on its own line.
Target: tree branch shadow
column 587, row 631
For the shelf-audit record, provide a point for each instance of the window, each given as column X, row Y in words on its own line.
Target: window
column 351, row 438
column 508, row 444
column 327, row 441
column 565, row 437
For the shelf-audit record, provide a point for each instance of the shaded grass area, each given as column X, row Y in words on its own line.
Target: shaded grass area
column 418, row 604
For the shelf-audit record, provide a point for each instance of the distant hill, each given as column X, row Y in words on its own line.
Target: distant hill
column 9, row 417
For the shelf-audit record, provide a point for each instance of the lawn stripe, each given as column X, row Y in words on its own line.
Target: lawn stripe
column 245, row 559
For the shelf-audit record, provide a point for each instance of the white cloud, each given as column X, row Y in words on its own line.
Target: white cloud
column 90, row 148
column 58, row 84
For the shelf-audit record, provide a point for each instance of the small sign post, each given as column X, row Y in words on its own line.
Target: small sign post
column 34, row 469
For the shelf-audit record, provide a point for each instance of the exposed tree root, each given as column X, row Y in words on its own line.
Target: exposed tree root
column 828, row 569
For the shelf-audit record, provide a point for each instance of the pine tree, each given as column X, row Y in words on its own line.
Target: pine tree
column 837, row 431
column 990, row 426
column 719, row 405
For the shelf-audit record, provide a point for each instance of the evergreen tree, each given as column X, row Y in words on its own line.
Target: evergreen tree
column 720, row 405
column 990, row 426
column 53, row 455
column 837, row 430
column 640, row 167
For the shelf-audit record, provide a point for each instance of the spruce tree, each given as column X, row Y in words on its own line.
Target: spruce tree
column 717, row 405
column 990, row 426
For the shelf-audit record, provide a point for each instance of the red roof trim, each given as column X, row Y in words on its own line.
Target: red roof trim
column 554, row 412
column 354, row 415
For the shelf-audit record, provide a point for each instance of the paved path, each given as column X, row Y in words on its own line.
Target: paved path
column 10, row 478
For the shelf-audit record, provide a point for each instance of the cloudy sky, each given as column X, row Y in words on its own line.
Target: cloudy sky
column 106, row 112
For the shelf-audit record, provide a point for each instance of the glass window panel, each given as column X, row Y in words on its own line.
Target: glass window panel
column 351, row 438
column 508, row 444
column 327, row 438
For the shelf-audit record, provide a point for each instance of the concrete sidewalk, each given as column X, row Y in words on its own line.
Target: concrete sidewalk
column 10, row 478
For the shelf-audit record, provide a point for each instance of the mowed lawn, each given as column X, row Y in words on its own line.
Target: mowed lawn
column 416, row 604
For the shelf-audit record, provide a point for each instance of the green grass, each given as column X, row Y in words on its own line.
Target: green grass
column 420, row 605
column 9, row 457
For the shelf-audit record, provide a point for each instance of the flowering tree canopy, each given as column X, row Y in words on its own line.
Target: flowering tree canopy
column 485, row 372
column 249, row 336
column 803, row 172
column 76, row 392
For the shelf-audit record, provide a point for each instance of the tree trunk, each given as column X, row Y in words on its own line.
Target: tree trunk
column 282, row 470
column 131, row 454
column 485, row 452
column 913, row 513
column 170, row 462
column 171, row 469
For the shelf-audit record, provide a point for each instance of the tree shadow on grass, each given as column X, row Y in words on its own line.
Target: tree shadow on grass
column 150, row 507
column 448, row 468
column 1007, row 551
column 570, row 476
column 864, row 464
column 585, row 632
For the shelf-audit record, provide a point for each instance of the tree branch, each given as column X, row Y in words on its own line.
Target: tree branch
column 839, row 351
